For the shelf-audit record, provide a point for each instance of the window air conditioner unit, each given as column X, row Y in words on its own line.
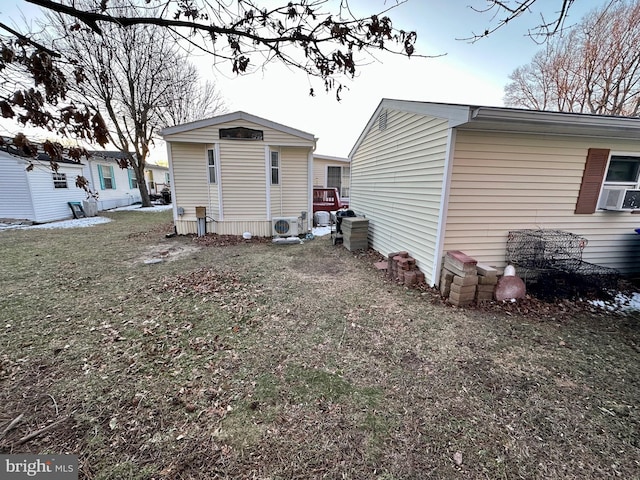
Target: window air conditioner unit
column 284, row 226
column 620, row 199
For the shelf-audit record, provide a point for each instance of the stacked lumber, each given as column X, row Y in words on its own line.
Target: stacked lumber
column 354, row 233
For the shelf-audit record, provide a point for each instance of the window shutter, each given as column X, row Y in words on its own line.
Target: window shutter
column 592, row 178
column 101, row 177
column 113, row 178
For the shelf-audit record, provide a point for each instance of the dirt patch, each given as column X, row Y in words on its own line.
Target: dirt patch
column 166, row 253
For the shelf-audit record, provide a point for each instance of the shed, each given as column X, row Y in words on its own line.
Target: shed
column 247, row 172
column 434, row 177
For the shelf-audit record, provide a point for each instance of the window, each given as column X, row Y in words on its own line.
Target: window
column 133, row 180
column 107, row 179
column 338, row 177
column 275, row 168
column 240, row 133
column 60, row 180
column 623, row 170
column 620, row 189
column 211, row 158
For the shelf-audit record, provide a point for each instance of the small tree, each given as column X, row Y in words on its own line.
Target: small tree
column 594, row 68
column 134, row 76
column 302, row 34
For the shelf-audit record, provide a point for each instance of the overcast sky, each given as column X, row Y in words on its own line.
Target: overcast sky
column 467, row 73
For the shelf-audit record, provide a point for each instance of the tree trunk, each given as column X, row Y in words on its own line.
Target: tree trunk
column 142, row 186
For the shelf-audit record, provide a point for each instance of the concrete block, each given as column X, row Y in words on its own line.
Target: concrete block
column 462, row 289
column 486, row 270
column 462, row 297
column 486, row 288
column 487, row 280
column 460, row 259
column 466, row 280
column 464, row 271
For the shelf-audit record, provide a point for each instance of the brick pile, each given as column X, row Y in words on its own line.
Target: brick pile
column 459, row 278
column 487, row 280
column 402, row 268
column 354, row 233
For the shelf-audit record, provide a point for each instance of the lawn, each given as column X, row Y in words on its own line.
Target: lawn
column 243, row 359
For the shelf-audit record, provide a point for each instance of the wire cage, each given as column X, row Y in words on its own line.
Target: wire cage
column 550, row 262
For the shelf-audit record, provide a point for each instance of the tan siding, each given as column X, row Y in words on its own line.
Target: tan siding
column 396, row 181
column 190, row 177
column 210, row 135
column 242, row 173
column 503, row 182
column 257, row 228
column 292, row 195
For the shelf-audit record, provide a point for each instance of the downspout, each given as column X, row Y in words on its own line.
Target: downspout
column 444, row 207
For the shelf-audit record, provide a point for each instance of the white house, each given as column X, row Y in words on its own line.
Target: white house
column 39, row 195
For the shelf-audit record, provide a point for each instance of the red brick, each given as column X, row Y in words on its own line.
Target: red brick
column 410, row 278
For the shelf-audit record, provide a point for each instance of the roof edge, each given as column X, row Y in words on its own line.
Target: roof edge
column 235, row 116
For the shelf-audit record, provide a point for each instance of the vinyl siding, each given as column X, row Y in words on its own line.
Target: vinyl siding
column 509, row 181
column 49, row 203
column 242, row 173
column 211, row 134
column 396, row 181
column 108, row 198
column 15, row 196
column 190, row 176
column 292, row 195
column 242, row 179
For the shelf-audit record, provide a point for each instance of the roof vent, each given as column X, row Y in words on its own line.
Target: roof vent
column 382, row 121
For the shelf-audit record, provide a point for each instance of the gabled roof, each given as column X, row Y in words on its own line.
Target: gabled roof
column 235, row 116
column 477, row 117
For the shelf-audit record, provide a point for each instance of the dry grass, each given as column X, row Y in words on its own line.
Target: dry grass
column 249, row 360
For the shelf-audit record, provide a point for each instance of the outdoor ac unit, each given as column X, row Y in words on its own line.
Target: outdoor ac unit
column 620, row 199
column 285, row 226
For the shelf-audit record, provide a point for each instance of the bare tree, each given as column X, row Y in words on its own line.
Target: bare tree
column 594, row 68
column 507, row 12
column 134, row 76
column 189, row 99
column 324, row 41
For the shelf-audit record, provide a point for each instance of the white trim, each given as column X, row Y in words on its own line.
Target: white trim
column 235, row 116
column 267, row 167
column 444, row 206
column 172, row 186
column 219, row 175
column 310, row 158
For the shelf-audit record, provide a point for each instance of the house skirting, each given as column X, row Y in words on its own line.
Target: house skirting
column 257, row 228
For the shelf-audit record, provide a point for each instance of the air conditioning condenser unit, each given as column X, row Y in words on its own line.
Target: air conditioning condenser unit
column 284, row 226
